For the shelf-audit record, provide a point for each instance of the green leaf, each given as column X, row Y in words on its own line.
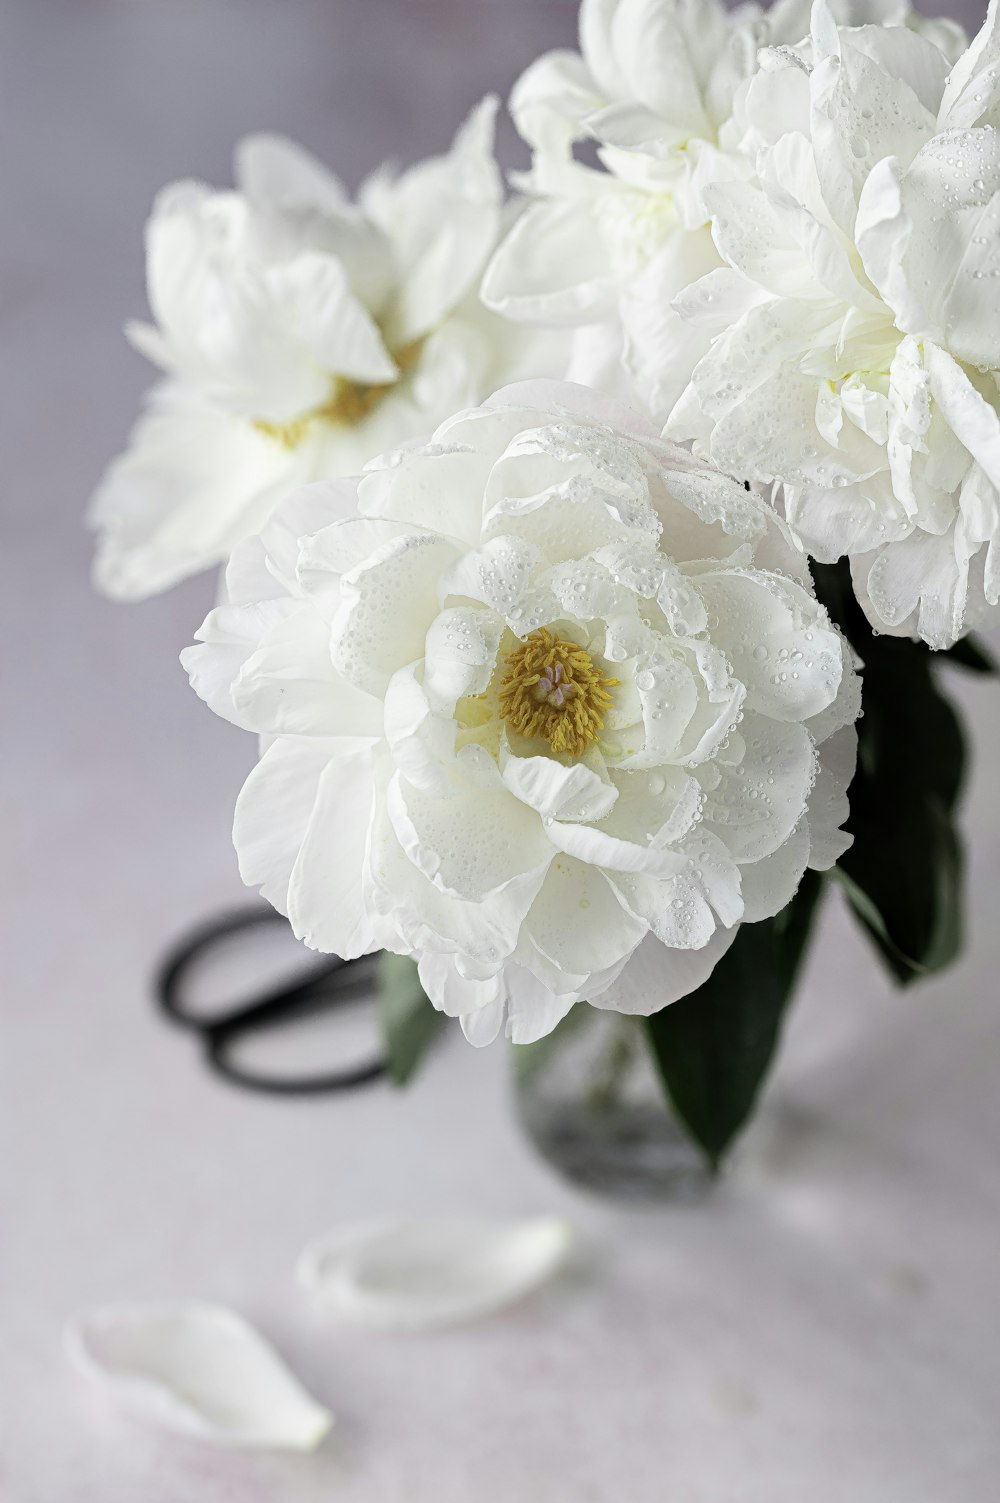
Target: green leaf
column 713, row 1047
column 970, row 653
column 903, row 873
column 410, row 1022
column 903, row 879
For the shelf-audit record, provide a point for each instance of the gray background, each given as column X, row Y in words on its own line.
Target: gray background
column 823, row 1329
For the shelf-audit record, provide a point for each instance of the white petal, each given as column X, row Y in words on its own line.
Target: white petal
column 226, row 638
column 442, row 217
column 288, row 686
column 461, row 654
column 342, row 546
column 482, row 1026
column 421, row 742
column 757, row 804
column 674, row 909
column 387, row 607
column 768, row 885
column 273, row 812
column 974, row 420
column 584, row 589
column 533, row 1010
column 974, row 81
column 198, row 1369
column 494, row 574
column 327, row 889
column 577, row 920
column 412, row 1275
column 439, row 489
column 916, row 585
column 452, row 993
column 551, row 100
column 302, row 512
column 655, row 975
column 280, row 173
column 557, row 791
column 779, row 640
column 573, row 400
column 598, row 848
column 828, row 802
column 552, row 268
column 191, row 485
column 471, row 844
column 316, row 304
column 429, row 921
column 845, row 708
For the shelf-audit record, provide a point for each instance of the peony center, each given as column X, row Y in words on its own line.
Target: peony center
column 348, row 404
column 551, row 690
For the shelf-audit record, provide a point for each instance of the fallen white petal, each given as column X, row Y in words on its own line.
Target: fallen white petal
column 408, row 1275
column 198, row 1369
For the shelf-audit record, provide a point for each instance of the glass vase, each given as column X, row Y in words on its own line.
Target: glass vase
column 590, row 1100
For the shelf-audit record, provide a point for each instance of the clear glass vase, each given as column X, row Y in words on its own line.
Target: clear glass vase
column 590, row 1100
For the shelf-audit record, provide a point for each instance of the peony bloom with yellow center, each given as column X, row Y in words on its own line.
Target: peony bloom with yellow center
column 547, row 704
column 551, row 691
column 301, row 333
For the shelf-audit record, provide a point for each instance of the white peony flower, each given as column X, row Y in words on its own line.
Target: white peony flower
column 856, row 325
column 301, row 334
column 548, row 704
column 607, row 249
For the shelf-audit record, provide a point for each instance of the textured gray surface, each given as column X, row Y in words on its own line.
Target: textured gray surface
column 824, row 1329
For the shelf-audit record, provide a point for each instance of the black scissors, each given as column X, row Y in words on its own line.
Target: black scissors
column 330, row 983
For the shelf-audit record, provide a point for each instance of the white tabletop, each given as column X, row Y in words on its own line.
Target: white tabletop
column 824, row 1328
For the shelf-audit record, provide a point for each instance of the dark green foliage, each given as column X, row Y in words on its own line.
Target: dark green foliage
column 713, row 1047
column 903, row 874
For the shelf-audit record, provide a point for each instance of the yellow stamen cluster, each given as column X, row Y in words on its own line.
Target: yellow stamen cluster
column 348, row 404
column 551, row 690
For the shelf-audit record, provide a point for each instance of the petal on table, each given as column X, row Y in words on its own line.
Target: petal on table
column 198, row 1369
column 415, row 1274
